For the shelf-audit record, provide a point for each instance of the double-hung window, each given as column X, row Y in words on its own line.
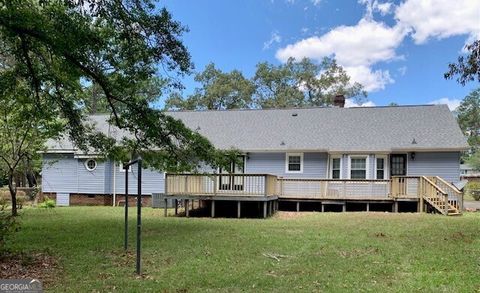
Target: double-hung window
column 358, row 167
column 380, row 168
column 294, row 163
column 336, row 167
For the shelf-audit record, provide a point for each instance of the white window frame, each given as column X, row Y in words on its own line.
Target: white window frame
column 367, row 165
column 331, row 166
column 287, row 156
column 385, row 166
column 88, row 168
column 121, row 170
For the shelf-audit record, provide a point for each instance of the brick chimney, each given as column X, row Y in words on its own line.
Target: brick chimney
column 339, row 101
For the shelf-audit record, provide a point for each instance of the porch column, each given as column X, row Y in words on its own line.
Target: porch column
column 213, row 209
column 165, row 209
column 239, row 207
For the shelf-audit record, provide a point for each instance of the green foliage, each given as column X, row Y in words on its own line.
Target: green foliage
column 293, row 84
column 473, row 188
column 65, row 51
column 467, row 67
column 8, row 226
column 468, row 116
column 303, row 83
column 218, row 91
column 47, row 203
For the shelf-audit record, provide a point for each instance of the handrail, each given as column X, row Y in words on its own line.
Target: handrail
column 435, row 195
column 447, row 184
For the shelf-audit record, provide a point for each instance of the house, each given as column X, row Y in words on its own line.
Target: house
column 328, row 155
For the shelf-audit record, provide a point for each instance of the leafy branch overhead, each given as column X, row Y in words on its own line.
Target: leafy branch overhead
column 61, row 48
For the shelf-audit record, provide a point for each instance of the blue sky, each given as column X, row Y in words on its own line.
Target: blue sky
column 397, row 50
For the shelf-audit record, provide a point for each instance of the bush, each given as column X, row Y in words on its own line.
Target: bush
column 47, row 203
column 8, row 226
column 474, row 189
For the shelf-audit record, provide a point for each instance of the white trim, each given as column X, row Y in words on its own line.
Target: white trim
column 330, row 162
column 367, row 165
column 287, row 155
column 121, row 170
column 88, row 168
column 406, row 162
column 386, row 173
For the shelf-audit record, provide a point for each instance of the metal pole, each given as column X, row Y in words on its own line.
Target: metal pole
column 139, row 213
column 126, row 207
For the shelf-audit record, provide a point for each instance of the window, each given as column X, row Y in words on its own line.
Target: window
column 380, row 163
column 358, row 168
column 294, row 163
column 90, row 164
column 336, row 165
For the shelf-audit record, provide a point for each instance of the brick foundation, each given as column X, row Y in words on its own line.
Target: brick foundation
column 98, row 199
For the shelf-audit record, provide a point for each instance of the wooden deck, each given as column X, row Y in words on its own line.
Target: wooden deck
column 430, row 192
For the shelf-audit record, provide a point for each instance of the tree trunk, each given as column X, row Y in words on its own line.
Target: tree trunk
column 13, row 194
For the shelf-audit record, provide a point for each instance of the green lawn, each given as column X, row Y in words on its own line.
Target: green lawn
column 317, row 252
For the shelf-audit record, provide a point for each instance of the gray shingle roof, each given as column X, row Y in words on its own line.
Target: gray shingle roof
column 379, row 129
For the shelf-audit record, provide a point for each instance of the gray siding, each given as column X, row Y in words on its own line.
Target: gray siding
column 314, row 165
column 445, row 165
column 91, row 182
column 64, row 173
column 59, row 173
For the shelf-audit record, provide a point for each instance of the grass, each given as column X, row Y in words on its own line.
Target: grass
column 315, row 251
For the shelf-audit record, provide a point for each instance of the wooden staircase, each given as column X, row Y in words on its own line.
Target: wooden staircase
column 440, row 196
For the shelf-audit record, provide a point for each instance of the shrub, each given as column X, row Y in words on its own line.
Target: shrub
column 47, row 203
column 474, row 189
column 8, row 226
column 21, row 200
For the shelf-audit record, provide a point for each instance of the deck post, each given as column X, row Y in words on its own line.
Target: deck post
column 368, row 206
column 213, row 209
column 344, row 207
column 239, row 208
column 264, row 209
column 176, row 207
column 322, row 206
column 165, row 210
column 395, row 207
column 193, row 204
column 298, row 206
column 186, row 208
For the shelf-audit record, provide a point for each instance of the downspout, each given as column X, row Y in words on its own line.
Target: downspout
column 114, row 183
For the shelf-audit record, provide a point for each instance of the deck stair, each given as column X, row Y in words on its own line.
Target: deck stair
column 440, row 195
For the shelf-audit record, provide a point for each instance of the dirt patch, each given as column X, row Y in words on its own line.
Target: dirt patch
column 21, row 266
column 290, row 215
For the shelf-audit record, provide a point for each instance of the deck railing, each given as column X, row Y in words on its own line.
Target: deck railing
column 434, row 189
column 455, row 196
column 221, row 184
column 333, row 188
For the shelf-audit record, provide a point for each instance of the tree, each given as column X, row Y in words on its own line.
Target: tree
column 303, row 83
column 218, row 91
column 24, row 128
column 293, row 84
column 468, row 117
column 467, row 67
column 60, row 47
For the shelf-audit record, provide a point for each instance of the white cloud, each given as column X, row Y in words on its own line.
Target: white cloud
column 375, row 6
column 316, row 2
column 452, row 103
column 356, row 48
column 372, row 80
column 349, row 104
column 274, row 38
column 402, row 70
column 439, row 18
